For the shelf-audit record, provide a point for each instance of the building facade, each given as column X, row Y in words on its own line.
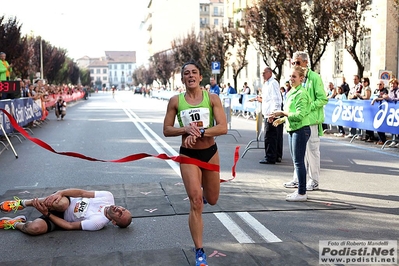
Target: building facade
column 114, row 69
column 211, row 15
column 121, row 65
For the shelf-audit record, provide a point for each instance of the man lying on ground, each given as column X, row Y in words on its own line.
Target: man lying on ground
column 69, row 209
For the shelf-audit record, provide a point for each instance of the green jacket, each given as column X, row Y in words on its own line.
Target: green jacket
column 297, row 105
column 315, row 88
column 3, row 71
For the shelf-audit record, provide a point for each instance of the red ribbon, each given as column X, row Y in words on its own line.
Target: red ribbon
column 129, row 158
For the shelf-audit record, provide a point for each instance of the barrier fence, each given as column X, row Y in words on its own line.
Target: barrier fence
column 382, row 116
column 26, row 110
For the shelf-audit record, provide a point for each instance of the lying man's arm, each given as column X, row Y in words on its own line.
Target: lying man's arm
column 41, row 207
column 71, row 192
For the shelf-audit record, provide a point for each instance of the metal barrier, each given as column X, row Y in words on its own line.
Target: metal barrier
column 259, row 131
column 226, row 102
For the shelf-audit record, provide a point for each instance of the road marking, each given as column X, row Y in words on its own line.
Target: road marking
column 216, row 254
column 35, row 185
column 140, row 126
column 265, row 233
column 150, row 210
column 233, row 228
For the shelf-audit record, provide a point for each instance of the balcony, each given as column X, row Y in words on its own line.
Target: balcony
column 203, row 25
column 219, row 14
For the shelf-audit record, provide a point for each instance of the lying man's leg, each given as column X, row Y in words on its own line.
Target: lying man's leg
column 18, row 204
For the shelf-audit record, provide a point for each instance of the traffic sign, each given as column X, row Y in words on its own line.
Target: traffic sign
column 385, row 74
column 215, row 67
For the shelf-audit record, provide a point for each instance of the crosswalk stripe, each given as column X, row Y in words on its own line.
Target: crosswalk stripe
column 265, row 233
column 233, row 228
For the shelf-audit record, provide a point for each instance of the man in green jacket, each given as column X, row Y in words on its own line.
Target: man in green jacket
column 315, row 88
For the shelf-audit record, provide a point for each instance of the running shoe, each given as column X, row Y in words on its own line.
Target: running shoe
column 204, row 200
column 200, row 258
column 8, row 223
column 312, row 185
column 296, row 197
column 11, row 205
column 291, row 184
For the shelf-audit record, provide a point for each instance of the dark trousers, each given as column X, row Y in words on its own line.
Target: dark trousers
column 273, row 141
column 381, row 136
column 280, row 130
column 370, row 134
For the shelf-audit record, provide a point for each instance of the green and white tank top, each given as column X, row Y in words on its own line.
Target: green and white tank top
column 201, row 113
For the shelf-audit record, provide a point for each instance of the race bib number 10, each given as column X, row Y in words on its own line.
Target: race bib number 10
column 197, row 115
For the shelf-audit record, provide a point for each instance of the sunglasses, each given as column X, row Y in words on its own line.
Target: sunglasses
column 296, row 63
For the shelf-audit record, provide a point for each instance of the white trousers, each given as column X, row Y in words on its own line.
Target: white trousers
column 312, row 156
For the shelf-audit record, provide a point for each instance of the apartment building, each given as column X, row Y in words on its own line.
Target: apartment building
column 121, row 65
column 114, row 69
column 211, row 15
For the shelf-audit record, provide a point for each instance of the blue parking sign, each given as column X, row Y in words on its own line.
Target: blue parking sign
column 215, row 66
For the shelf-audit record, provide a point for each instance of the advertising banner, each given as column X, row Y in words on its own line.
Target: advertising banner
column 382, row 116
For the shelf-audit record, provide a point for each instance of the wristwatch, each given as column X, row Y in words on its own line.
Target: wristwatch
column 202, row 131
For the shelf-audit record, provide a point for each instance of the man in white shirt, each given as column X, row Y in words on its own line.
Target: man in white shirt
column 271, row 101
column 69, row 209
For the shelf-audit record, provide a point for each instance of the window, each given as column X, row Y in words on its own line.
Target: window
column 104, row 71
column 130, row 66
column 215, row 11
column 122, row 66
column 365, row 51
column 105, row 78
column 91, row 71
column 98, row 71
column 338, row 56
column 216, row 21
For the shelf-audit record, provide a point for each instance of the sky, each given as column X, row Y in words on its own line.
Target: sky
column 82, row 27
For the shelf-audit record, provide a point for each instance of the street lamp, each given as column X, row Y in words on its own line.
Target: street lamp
column 41, row 58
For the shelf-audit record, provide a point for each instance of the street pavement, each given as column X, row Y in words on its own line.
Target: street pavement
column 252, row 224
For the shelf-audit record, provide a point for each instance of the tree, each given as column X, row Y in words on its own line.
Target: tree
column 349, row 21
column 84, row 76
column 279, row 28
column 143, row 75
column 14, row 46
column 318, row 28
column 213, row 50
column 186, row 49
column 164, row 66
column 271, row 39
column 236, row 41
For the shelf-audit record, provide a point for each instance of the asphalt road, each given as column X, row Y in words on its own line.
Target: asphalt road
column 358, row 199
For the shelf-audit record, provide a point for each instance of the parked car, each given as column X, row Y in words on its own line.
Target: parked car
column 137, row 90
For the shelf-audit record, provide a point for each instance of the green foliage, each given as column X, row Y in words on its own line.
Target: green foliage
column 13, row 45
column 24, row 53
